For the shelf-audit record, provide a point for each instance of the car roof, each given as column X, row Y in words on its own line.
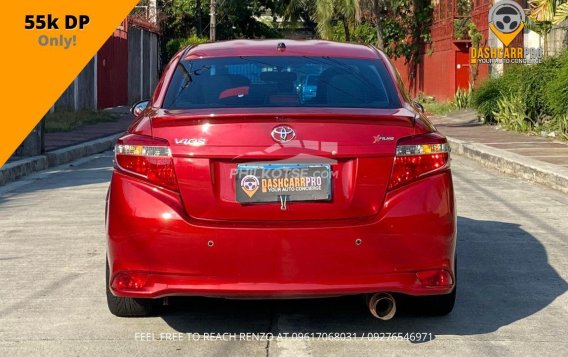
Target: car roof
column 270, row 48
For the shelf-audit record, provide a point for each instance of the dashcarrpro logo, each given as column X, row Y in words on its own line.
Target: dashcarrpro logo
column 506, row 20
column 250, row 184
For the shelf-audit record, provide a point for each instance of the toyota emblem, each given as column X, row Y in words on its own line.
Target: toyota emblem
column 283, row 134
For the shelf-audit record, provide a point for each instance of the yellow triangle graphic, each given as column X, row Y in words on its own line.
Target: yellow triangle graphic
column 250, row 193
column 506, row 38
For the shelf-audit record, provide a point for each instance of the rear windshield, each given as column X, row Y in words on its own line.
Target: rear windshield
column 242, row 82
column 312, row 80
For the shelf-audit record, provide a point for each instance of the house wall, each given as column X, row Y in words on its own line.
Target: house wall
column 131, row 72
column 439, row 67
column 557, row 39
column 143, row 63
column 436, row 73
column 112, row 68
column 80, row 94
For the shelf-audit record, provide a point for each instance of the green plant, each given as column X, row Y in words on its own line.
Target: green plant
column 561, row 13
column 438, row 108
column 176, row 44
column 511, row 114
column 485, row 98
column 463, row 7
column 556, row 90
column 364, row 33
column 462, row 99
column 461, row 28
column 530, row 84
column 422, row 98
column 557, row 124
column 528, row 97
column 327, row 12
column 543, row 14
column 476, row 38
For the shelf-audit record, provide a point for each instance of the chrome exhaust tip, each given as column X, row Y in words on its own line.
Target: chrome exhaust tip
column 382, row 306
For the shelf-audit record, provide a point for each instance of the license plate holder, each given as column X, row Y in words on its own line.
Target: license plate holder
column 258, row 183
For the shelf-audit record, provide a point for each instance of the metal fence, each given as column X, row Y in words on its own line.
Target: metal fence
column 142, row 75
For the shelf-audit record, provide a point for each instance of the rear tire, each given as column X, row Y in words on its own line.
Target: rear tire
column 125, row 306
column 439, row 305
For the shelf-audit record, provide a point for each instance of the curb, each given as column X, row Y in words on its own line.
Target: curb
column 17, row 169
column 552, row 176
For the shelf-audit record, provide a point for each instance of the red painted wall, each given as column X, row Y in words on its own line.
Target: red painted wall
column 112, row 70
column 436, row 74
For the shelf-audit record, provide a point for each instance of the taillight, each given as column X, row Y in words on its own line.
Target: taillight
column 148, row 158
column 417, row 156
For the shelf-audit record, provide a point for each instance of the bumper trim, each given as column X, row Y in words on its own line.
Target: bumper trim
column 162, row 285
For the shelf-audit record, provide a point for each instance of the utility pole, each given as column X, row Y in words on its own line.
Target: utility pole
column 152, row 11
column 213, row 21
column 199, row 26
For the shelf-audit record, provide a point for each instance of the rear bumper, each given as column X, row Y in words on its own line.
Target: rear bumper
column 151, row 240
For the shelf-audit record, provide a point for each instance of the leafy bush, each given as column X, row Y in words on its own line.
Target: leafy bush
column 485, row 98
column 511, row 113
column 556, row 125
column 364, row 33
column 529, row 83
column 461, row 28
column 176, row 44
column 556, row 90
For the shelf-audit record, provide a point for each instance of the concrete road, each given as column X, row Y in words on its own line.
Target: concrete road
column 512, row 299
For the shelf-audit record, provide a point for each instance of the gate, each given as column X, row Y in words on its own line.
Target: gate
column 112, row 70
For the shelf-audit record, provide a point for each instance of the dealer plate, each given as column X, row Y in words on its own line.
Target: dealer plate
column 297, row 182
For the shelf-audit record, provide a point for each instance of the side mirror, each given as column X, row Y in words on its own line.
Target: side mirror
column 138, row 108
column 420, row 107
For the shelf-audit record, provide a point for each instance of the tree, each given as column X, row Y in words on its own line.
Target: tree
column 297, row 10
column 325, row 13
column 402, row 26
column 379, row 10
column 543, row 14
column 561, row 14
column 348, row 12
column 238, row 19
column 185, row 21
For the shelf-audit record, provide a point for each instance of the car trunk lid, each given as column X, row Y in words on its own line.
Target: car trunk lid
column 358, row 147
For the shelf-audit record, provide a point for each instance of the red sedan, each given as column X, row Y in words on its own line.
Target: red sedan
column 236, row 182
